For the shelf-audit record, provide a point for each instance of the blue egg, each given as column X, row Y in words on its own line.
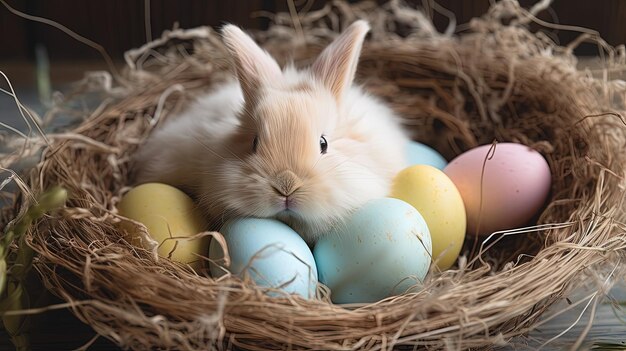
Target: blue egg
column 420, row 154
column 383, row 249
column 270, row 253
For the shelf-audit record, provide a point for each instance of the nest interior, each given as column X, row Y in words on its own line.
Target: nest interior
column 495, row 81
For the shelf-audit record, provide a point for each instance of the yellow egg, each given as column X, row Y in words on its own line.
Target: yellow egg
column 434, row 195
column 170, row 216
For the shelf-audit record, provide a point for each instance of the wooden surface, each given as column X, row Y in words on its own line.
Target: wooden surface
column 60, row 330
column 119, row 25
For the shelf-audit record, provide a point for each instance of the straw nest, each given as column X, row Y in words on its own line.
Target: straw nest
column 494, row 81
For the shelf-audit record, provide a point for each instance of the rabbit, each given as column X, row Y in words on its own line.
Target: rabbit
column 306, row 147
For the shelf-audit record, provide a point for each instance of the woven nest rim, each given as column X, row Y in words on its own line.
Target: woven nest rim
column 490, row 83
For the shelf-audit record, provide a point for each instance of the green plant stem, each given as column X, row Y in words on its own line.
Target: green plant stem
column 13, row 272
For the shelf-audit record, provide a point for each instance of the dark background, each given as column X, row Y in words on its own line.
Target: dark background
column 118, row 25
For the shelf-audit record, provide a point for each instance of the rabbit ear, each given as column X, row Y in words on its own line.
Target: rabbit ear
column 337, row 64
column 254, row 65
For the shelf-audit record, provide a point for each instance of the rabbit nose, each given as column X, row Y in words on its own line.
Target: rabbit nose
column 286, row 183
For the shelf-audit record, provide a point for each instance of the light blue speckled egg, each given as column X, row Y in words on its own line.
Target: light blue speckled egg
column 420, row 154
column 382, row 250
column 270, row 253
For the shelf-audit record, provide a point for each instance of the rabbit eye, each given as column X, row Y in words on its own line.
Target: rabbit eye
column 323, row 144
column 255, row 143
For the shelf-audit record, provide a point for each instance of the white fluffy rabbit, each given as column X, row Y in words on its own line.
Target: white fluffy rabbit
column 304, row 146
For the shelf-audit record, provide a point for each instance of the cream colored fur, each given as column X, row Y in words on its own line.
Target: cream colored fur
column 208, row 149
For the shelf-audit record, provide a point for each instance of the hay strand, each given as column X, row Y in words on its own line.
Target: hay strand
column 496, row 81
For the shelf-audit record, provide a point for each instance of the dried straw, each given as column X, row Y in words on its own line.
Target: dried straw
column 494, row 82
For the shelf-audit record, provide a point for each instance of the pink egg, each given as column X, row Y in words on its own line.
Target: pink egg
column 515, row 186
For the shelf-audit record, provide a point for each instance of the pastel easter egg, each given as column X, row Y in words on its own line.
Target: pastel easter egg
column 383, row 249
column 514, row 186
column 420, row 154
column 436, row 197
column 269, row 252
column 171, row 218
